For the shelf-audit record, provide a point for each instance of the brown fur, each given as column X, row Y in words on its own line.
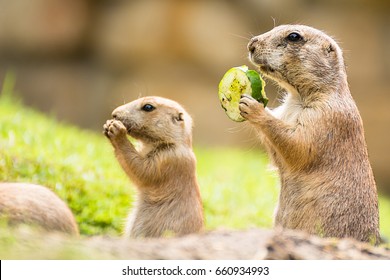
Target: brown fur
column 163, row 168
column 35, row 205
column 315, row 137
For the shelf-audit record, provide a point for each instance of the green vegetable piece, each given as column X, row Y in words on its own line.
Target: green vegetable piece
column 238, row 81
column 258, row 84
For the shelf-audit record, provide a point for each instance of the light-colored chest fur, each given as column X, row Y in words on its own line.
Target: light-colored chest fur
column 290, row 109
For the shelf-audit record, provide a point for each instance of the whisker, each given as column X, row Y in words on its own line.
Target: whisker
column 271, row 51
column 142, row 87
column 235, row 129
column 240, row 36
column 244, row 56
column 253, row 138
column 139, row 88
column 274, row 20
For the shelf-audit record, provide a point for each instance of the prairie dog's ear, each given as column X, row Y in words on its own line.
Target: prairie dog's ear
column 179, row 117
column 330, row 48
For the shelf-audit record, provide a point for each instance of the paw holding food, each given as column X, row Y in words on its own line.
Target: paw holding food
column 236, row 82
column 250, row 108
column 114, row 129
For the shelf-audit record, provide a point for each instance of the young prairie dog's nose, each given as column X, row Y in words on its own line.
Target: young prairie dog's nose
column 117, row 112
column 114, row 114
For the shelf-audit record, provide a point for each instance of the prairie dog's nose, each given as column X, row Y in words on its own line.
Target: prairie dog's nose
column 120, row 111
column 251, row 44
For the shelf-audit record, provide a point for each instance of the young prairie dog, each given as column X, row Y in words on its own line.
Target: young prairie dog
column 315, row 137
column 22, row 203
column 163, row 168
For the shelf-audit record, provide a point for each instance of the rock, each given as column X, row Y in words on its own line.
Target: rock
column 219, row 244
column 293, row 245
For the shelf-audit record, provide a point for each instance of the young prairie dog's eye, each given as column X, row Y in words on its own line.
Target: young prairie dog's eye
column 148, row 108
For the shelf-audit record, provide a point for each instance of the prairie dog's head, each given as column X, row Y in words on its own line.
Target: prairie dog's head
column 299, row 58
column 155, row 119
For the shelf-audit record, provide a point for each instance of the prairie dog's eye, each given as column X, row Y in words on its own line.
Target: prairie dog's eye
column 294, row 37
column 148, row 108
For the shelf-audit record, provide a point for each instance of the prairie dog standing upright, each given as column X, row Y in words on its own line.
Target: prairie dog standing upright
column 22, row 203
column 315, row 137
column 163, row 168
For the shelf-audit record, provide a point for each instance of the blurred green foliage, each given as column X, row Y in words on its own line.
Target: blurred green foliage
column 237, row 188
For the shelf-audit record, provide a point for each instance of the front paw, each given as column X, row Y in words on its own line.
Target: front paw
column 114, row 129
column 250, row 108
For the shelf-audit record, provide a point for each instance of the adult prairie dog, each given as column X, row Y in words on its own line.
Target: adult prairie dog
column 22, row 203
column 315, row 137
column 163, row 168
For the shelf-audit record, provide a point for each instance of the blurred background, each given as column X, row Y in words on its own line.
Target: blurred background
column 79, row 59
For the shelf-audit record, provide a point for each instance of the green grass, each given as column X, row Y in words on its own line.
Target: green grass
column 78, row 165
column 237, row 189
column 384, row 213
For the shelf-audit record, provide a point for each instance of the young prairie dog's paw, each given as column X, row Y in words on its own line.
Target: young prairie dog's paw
column 114, row 129
column 250, row 108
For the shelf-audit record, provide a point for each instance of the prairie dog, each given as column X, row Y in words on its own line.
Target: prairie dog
column 163, row 168
column 22, row 203
column 316, row 137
